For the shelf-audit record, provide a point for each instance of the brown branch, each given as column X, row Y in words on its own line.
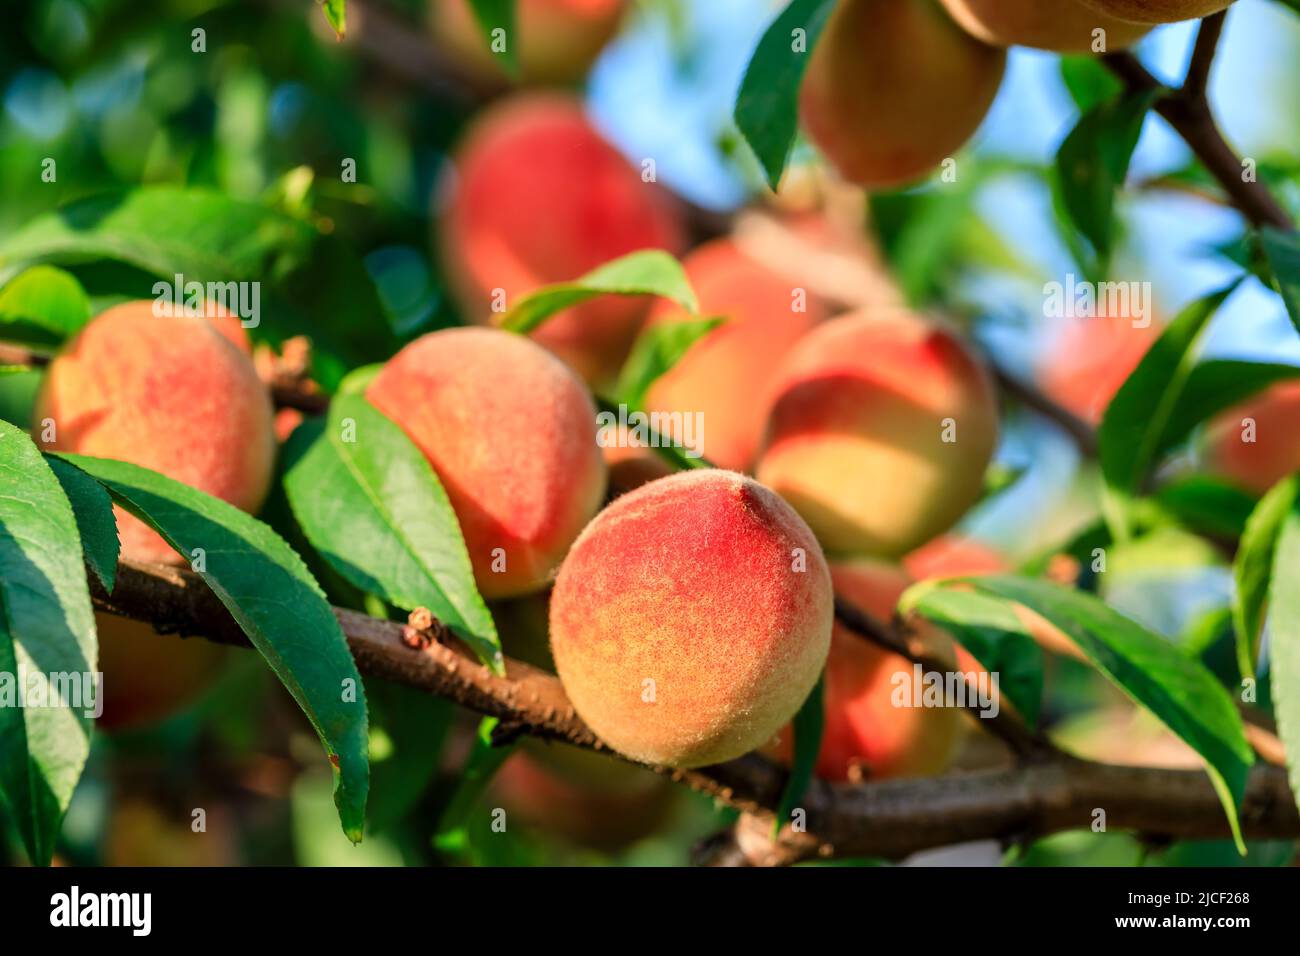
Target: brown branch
column 1188, row 111
column 1080, row 431
column 890, row 818
column 1197, row 79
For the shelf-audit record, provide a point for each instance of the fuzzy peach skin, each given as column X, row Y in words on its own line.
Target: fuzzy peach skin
column 894, row 87
column 720, row 374
column 864, row 733
column 511, row 434
column 1064, row 26
column 691, row 619
column 558, row 40
column 168, row 393
column 1091, row 360
column 1158, row 11
column 855, row 438
column 1275, row 451
column 540, row 197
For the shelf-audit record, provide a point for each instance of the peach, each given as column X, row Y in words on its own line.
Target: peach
column 148, row 676
column 865, row 732
column 1091, row 360
column 881, row 427
column 606, row 816
column 691, row 619
column 894, row 87
column 511, row 434
column 558, row 40
column 1255, row 444
column 1064, row 26
column 1158, row 11
column 540, row 197
column 716, row 379
column 177, row 395
column 169, row 393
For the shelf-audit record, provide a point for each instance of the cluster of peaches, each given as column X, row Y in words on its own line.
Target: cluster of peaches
column 689, row 617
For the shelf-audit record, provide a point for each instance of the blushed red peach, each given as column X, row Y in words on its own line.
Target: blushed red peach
column 766, row 314
column 511, row 434
column 691, row 619
column 1091, row 360
column 1158, row 11
column 882, row 424
column 1257, row 443
column 539, row 196
column 894, row 88
column 866, row 733
column 168, row 393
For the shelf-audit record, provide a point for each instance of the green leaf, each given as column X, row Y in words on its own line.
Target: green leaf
column 93, row 509
column 648, row 272
column 1252, row 571
column 164, row 230
column 485, row 759
column 767, row 106
column 1088, row 82
column 45, row 299
column 47, row 633
column 609, row 415
column 1134, row 424
column 808, row 725
column 336, row 15
column 1206, row 505
column 493, row 15
column 274, row 599
column 1284, row 643
column 408, row 730
column 992, row 632
column 1282, row 250
column 370, row 503
column 1181, row 692
column 658, row 348
column 1092, row 163
column 18, row 387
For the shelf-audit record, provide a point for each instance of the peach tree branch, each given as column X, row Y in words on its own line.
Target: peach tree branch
column 886, row 818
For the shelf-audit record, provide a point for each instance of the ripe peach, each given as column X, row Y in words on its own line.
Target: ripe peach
column 894, row 87
column 1158, row 11
column 606, row 816
column 1065, row 26
column 691, row 619
column 766, row 314
column 1091, row 360
column 174, row 394
column 558, row 40
column 881, row 426
column 511, row 433
column 953, row 555
column 169, row 393
column 1255, row 444
column 540, row 197
column 148, row 676
column 865, row 732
